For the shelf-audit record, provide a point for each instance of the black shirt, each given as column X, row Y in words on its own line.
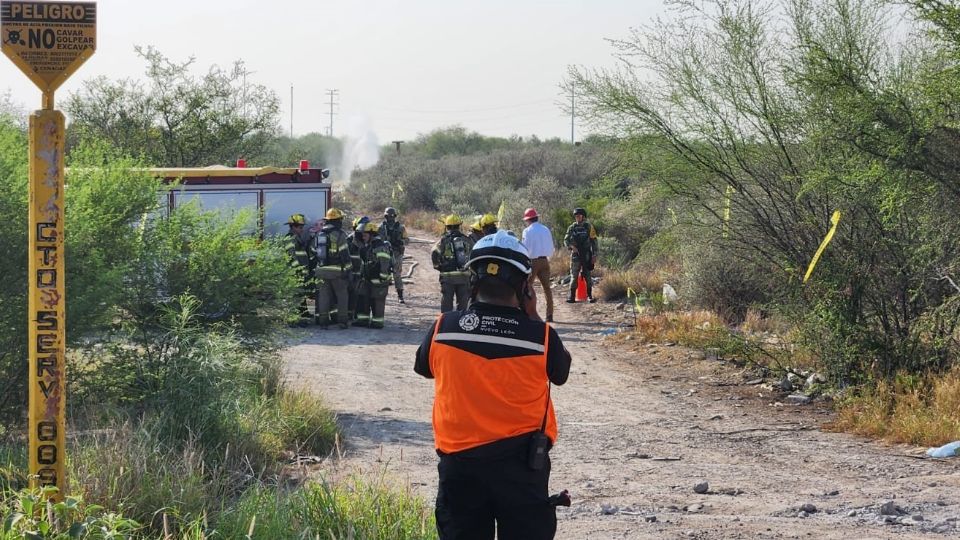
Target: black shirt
column 482, row 320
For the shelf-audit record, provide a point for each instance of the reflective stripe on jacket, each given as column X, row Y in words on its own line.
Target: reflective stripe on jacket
column 491, row 379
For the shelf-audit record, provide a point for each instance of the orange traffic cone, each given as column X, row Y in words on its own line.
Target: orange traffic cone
column 581, row 289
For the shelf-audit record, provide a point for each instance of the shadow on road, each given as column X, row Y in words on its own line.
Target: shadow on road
column 365, row 431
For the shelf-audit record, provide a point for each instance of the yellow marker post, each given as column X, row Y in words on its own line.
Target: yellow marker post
column 727, row 195
column 835, row 219
column 46, row 336
column 48, row 41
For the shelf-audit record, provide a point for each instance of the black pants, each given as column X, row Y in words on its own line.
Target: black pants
column 476, row 493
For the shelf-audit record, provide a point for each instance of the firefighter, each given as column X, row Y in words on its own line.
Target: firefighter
column 450, row 256
column 375, row 281
column 355, row 246
column 476, row 231
column 488, row 224
column 302, row 260
column 581, row 240
column 332, row 270
column 394, row 233
column 493, row 421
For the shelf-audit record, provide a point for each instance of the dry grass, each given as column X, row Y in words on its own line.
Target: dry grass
column 615, row 285
column 757, row 322
column 428, row 221
column 691, row 328
column 914, row 410
column 560, row 262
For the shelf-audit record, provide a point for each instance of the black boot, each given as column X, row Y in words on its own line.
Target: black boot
column 400, row 297
column 572, row 298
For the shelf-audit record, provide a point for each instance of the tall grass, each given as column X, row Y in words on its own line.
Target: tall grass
column 921, row 410
column 361, row 507
column 431, row 222
column 617, row 285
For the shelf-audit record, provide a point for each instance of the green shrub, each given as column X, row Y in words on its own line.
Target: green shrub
column 361, row 508
column 27, row 514
column 717, row 280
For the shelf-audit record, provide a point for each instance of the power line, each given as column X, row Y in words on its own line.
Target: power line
column 545, row 113
column 331, row 94
column 444, row 111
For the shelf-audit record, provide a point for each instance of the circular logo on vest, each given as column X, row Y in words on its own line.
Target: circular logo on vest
column 469, row 322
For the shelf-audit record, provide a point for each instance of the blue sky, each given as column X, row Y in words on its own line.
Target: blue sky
column 402, row 67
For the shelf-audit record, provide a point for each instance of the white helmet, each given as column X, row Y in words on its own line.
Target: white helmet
column 501, row 246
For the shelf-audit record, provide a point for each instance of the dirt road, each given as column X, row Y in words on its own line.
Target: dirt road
column 638, row 430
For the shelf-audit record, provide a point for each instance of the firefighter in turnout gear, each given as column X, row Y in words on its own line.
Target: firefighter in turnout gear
column 476, row 231
column 493, row 418
column 488, row 224
column 394, row 233
column 302, row 260
column 375, row 278
column 332, row 270
column 450, row 256
column 581, row 240
column 355, row 245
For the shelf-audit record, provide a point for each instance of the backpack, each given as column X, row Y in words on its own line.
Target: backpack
column 455, row 253
column 321, row 248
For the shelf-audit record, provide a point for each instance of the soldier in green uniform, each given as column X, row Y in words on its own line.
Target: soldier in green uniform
column 581, row 240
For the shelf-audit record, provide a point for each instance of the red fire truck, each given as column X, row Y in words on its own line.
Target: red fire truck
column 274, row 193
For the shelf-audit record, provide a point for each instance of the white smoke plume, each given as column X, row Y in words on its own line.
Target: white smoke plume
column 360, row 147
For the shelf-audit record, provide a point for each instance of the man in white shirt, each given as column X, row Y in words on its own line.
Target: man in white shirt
column 539, row 242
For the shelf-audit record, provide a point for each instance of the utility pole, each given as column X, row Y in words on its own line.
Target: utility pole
column 331, row 94
column 573, row 111
column 397, row 143
column 291, row 110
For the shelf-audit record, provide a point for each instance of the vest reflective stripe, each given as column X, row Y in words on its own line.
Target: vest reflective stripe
column 479, row 338
column 479, row 401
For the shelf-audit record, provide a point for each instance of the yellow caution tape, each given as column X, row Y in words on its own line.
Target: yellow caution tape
column 726, row 209
column 501, row 211
column 835, row 219
column 636, row 298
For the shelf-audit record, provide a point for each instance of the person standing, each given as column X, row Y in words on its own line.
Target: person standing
column 539, row 242
column 581, row 240
column 375, row 281
column 449, row 257
column 394, row 233
column 302, row 260
column 488, row 224
column 332, row 271
column 493, row 417
column 355, row 246
column 476, row 231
